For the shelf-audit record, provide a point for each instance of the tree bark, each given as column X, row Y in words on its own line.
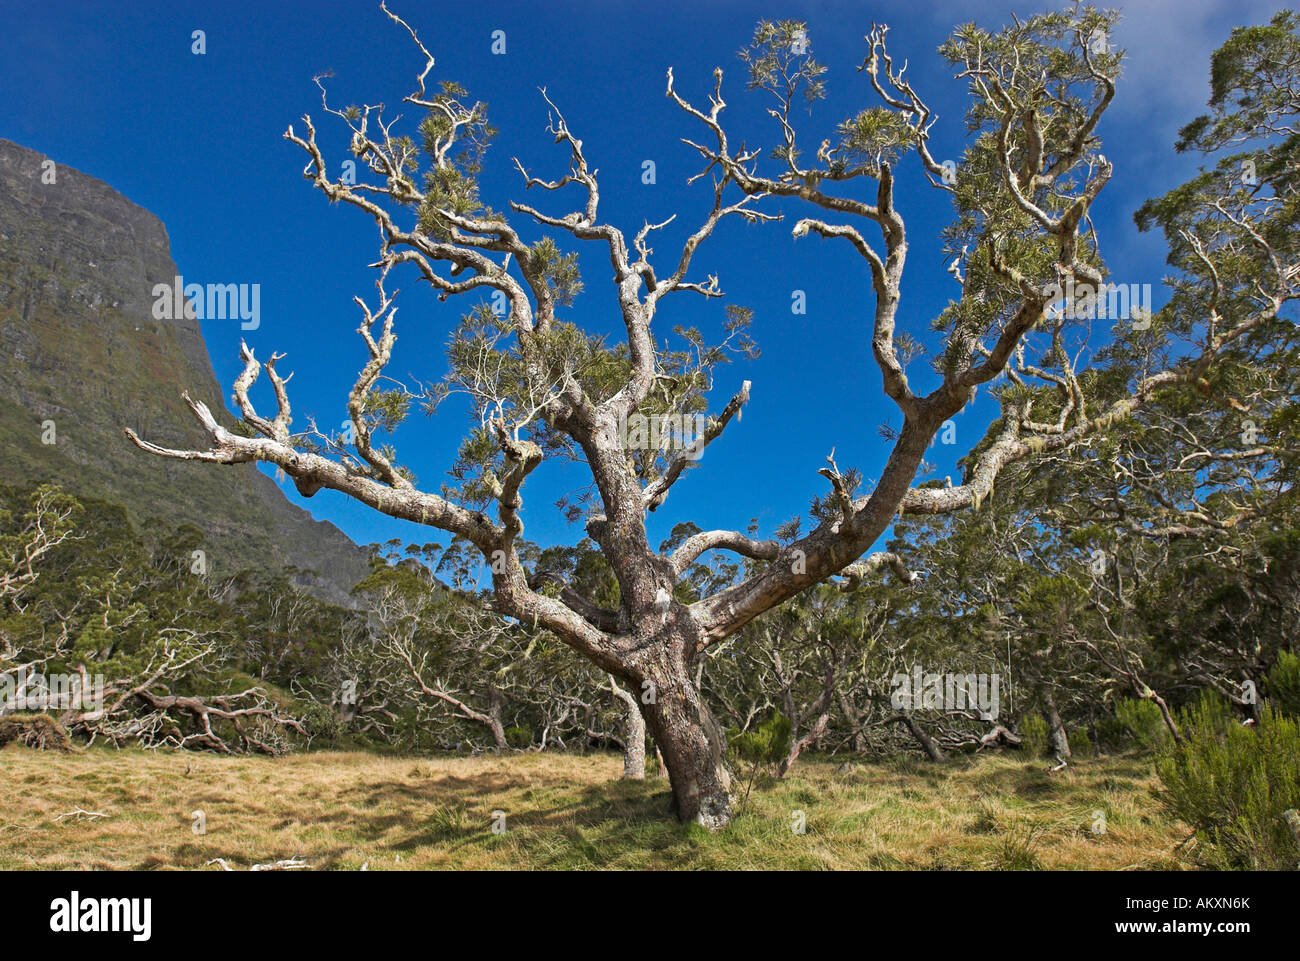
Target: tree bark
column 799, row 745
column 1164, row 713
column 1060, row 742
column 494, row 722
column 692, row 745
column 633, row 734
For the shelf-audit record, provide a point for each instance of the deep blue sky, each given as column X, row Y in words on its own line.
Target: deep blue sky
column 113, row 89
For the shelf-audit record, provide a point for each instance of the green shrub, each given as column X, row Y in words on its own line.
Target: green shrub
column 1112, row 734
column 1080, row 743
column 1033, row 735
column 765, row 745
column 1284, row 684
column 1143, row 720
column 1232, row 783
column 519, row 737
column 319, row 721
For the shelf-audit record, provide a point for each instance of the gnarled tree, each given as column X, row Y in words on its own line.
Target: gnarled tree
column 542, row 389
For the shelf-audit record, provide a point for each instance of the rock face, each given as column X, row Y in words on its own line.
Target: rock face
column 79, row 347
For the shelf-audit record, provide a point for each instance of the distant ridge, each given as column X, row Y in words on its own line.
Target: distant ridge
column 79, row 346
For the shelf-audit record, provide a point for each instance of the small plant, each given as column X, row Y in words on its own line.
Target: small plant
column 767, row 745
column 1015, row 851
column 1144, row 721
column 1033, row 735
column 1234, row 783
column 320, row 722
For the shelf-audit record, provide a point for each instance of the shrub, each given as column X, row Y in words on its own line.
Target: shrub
column 519, row 737
column 1033, row 735
column 767, row 744
column 319, row 721
column 1284, row 684
column 1080, row 743
column 1143, row 720
column 1112, row 734
column 1232, row 783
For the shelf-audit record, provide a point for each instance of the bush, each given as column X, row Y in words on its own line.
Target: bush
column 1284, row 684
column 1232, row 783
column 319, row 721
column 1080, row 743
column 1033, row 735
column 1143, row 720
column 766, row 745
column 519, row 737
column 1112, row 734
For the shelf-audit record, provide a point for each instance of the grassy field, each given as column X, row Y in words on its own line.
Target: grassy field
column 342, row 810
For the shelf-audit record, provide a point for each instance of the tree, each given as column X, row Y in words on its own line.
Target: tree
column 543, row 389
column 119, row 638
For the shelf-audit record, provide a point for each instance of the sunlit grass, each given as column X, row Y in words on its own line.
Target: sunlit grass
column 342, row 810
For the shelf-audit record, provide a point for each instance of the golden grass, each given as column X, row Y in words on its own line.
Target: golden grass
column 342, row 810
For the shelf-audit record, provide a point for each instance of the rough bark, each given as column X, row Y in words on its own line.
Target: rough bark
column 690, row 741
column 1060, row 742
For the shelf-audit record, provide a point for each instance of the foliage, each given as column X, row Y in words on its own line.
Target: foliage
column 1143, row 721
column 1283, row 684
column 1033, row 735
column 1232, row 782
column 763, row 747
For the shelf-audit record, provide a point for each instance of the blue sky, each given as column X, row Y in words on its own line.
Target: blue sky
column 115, row 91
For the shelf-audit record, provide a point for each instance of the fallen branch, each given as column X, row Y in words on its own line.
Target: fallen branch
column 79, row 814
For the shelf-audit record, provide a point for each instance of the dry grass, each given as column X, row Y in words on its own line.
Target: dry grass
column 342, row 810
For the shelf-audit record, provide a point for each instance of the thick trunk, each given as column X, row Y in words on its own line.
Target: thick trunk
column 691, row 743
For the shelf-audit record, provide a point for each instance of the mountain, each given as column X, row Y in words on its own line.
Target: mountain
column 79, row 346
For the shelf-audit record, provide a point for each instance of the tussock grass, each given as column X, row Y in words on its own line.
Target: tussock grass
column 339, row 811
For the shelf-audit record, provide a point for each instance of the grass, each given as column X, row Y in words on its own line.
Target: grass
column 342, row 810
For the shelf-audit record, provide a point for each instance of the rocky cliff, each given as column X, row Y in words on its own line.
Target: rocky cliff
column 79, row 347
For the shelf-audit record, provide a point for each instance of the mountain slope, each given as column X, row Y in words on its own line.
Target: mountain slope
column 79, row 346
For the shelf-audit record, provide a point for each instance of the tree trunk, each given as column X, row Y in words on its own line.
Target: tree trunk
column 692, row 745
column 799, row 745
column 928, row 744
column 1060, row 742
column 853, row 720
column 633, row 734
column 494, row 719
